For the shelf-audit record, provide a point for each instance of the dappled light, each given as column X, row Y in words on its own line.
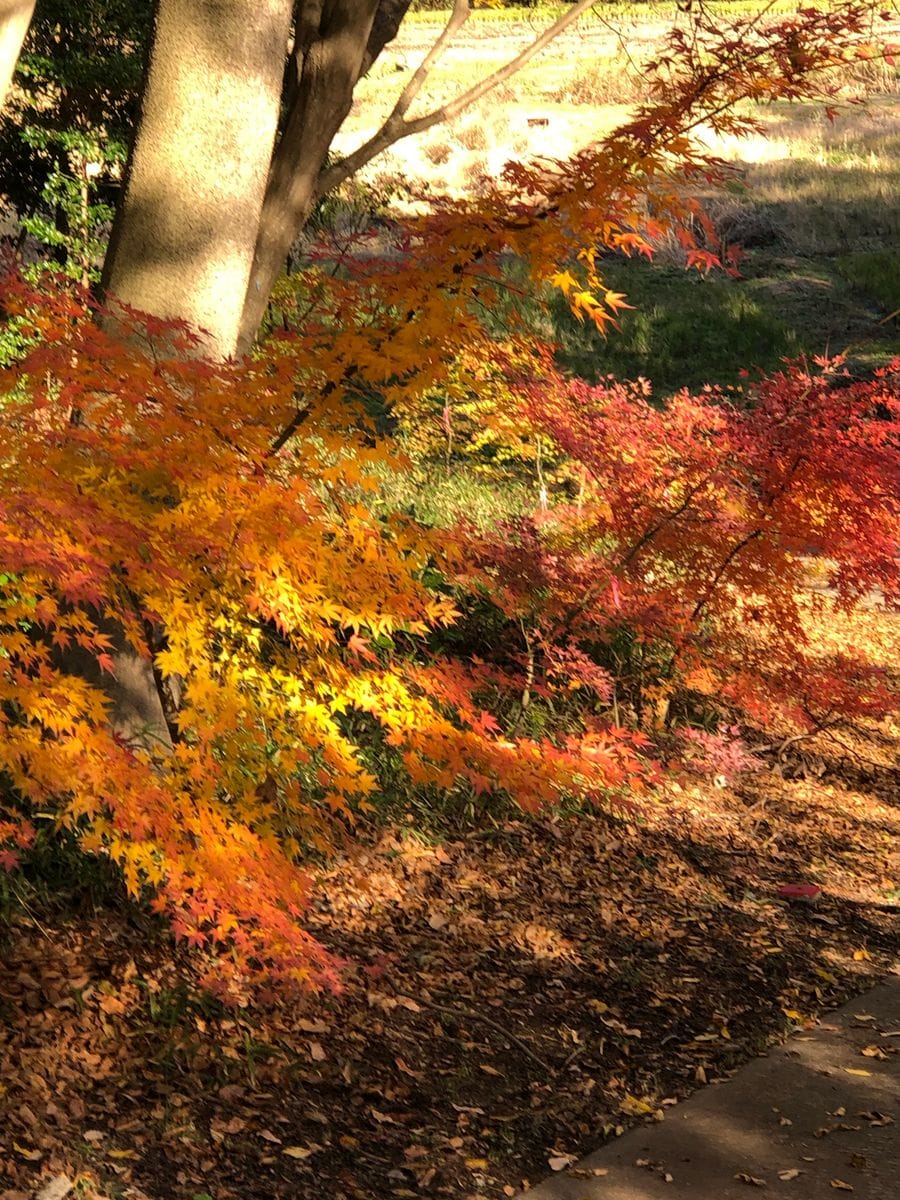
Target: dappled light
column 449, row 592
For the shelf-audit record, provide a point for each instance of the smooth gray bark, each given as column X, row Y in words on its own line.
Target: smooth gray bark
column 186, row 229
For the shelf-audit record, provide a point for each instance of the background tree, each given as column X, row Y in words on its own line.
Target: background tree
column 176, row 256
column 78, row 80
column 199, row 161
column 217, row 191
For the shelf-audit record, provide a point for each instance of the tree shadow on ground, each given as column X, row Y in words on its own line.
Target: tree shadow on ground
column 505, row 998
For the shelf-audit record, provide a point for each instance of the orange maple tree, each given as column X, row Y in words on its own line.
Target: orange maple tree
column 219, row 519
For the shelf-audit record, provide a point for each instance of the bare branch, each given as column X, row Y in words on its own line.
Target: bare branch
column 396, row 127
column 458, row 18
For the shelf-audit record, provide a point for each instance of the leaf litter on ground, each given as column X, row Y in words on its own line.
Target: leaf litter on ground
column 510, row 1001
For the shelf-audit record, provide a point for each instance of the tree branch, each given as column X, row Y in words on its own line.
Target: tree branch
column 458, row 18
column 388, row 17
column 396, row 127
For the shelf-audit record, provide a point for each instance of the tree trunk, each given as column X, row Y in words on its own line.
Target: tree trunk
column 183, row 240
column 15, row 19
column 328, row 69
column 137, row 713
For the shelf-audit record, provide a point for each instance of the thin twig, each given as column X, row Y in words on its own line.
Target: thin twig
column 571, row 1059
column 870, row 762
column 471, row 1015
column 781, row 747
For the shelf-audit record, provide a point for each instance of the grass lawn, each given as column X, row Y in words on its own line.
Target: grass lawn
column 813, row 202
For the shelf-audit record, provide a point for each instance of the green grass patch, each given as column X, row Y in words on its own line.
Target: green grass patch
column 440, row 497
column 876, row 275
column 685, row 330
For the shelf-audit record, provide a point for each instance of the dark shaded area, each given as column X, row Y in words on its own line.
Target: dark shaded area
column 80, row 72
column 513, row 992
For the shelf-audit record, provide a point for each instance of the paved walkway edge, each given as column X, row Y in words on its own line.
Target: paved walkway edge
column 814, row 1119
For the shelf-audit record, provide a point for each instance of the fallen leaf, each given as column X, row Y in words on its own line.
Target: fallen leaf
column 559, row 1162
column 856, row 1071
column 310, row 1026
column 635, row 1107
column 28, row 1155
column 876, row 1118
column 752, row 1180
column 121, row 1154
column 112, row 1005
column 873, row 1052
column 835, row 1128
column 841, row 1186
column 296, row 1151
column 56, row 1189
column 791, row 1173
column 317, row 1052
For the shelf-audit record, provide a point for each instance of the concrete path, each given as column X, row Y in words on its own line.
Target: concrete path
column 815, row 1119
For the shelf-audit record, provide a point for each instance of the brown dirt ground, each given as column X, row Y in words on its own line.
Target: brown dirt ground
column 512, row 995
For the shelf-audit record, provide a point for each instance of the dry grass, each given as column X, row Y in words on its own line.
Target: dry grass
column 844, row 175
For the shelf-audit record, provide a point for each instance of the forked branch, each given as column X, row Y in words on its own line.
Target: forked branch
column 397, row 126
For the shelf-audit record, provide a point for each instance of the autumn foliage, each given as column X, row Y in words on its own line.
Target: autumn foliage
column 683, row 557
column 143, row 494
column 224, row 523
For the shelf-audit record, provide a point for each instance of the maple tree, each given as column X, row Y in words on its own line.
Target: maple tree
column 682, row 560
column 223, row 521
column 689, row 534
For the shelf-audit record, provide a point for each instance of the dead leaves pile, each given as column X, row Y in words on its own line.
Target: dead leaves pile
column 512, row 998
